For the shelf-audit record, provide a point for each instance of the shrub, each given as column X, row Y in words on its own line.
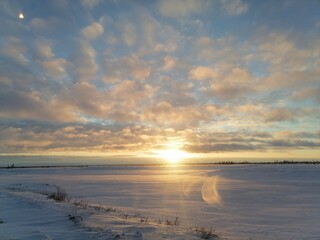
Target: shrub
column 59, row 195
column 77, row 220
column 206, row 233
column 174, row 222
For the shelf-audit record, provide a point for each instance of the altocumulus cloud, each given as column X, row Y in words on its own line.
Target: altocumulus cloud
column 105, row 76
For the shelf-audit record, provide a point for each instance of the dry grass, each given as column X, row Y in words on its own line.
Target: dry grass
column 59, row 195
column 174, row 222
column 205, row 233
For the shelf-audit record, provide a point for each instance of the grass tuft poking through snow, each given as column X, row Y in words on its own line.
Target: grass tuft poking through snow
column 205, row 233
column 174, row 222
column 59, row 195
column 76, row 219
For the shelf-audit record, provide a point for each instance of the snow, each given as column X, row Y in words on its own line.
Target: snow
column 123, row 202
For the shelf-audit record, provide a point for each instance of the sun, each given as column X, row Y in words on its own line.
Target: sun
column 172, row 156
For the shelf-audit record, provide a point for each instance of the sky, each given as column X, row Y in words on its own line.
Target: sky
column 219, row 78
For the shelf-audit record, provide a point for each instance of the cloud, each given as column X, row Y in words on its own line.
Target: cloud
column 227, row 142
column 181, row 8
column 261, row 114
column 83, row 61
column 5, row 81
column 90, row 3
column 168, row 63
column 202, row 73
column 219, row 147
column 129, row 34
column 235, row 83
column 15, row 49
column 130, row 67
column 297, row 135
column 165, row 114
column 220, row 50
column 176, row 93
column 293, row 144
column 155, row 37
column 307, row 94
column 234, row 7
column 168, row 40
column 38, row 24
column 169, row 68
column 226, row 82
column 289, row 65
column 31, row 105
column 215, row 142
column 84, row 98
column 93, row 31
column 131, row 89
column 54, row 67
column 280, row 114
column 129, row 99
column 43, row 49
column 45, row 57
column 34, row 136
column 121, row 103
column 230, row 91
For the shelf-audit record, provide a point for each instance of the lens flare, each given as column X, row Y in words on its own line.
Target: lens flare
column 210, row 192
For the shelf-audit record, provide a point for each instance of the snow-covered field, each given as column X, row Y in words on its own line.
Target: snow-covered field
column 162, row 202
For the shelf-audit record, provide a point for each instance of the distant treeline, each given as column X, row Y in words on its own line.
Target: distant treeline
column 66, row 166
column 273, row 162
column 186, row 164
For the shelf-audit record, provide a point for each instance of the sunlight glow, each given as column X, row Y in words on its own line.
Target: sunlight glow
column 173, row 156
column 21, row 15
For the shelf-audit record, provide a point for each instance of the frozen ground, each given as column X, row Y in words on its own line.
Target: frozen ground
column 239, row 202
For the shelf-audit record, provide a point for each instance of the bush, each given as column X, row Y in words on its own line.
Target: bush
column 174, row 222
column 59, row 195
column 205, row 233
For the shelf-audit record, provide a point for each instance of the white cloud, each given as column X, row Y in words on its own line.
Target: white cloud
column 15, row 49
column 234, row 7
column 84, row 62
column 219, row 49
column 33, row 105
column 83, row 97
column 54, row 67
column 126, row 94
column 38, row 24
column 43, row 49
column 307, row 94
column 129, row 34
column 126, row 68
column 90, row 3
column 164, row 113
column 168, row 63
column 227, row 82
column 229, row 91
column 181, row 8
column 202, row 73
column 93, row 31
column 156, row 37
